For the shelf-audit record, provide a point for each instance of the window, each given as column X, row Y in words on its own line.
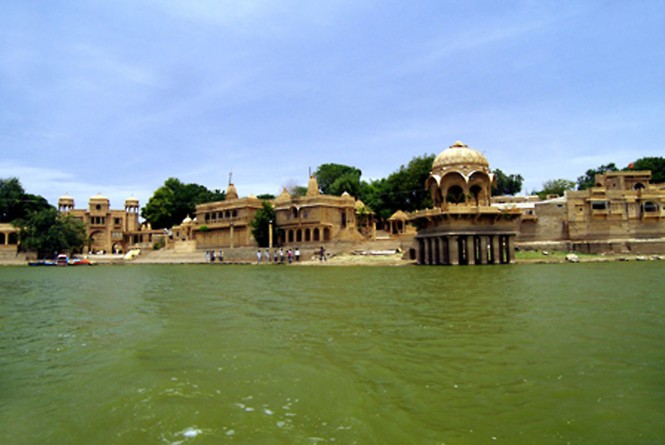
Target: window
column 117, row 221
column 599, row 205
column 650, row 207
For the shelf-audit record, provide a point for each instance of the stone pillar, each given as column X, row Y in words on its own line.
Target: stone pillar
column 470, row 250
column 483, row 240
column 428, row 248
column 443, row 241
column 453, row 250
column 510, row 245
column 231, row 236
column 496, row 250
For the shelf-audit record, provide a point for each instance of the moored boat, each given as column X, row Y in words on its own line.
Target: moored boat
column 62, row 260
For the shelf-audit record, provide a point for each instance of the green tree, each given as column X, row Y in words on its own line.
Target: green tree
column 655, row 164
column 588, row 180
column 335, row 179
column 402, row 190
column 171, row 203
column 15, row 203
column 48, row 232
column 506, row 184
column 556, row 187
column 261, row 225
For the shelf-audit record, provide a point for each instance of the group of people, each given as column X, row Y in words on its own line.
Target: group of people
column 278, row 257
column 210, row 256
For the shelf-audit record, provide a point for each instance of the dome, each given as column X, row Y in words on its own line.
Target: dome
column 131, row 201
column 99, row 197
column 66, row 198
column 460, row 157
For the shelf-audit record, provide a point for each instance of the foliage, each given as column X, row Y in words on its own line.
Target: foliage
column 48, row 232
column 266, row 197
column 655, row 164
column 335, row 179
column 297, row 190
column 172, row 202
column 15, row 203
column 401, row 190
column 261, row 225
column 556, row 187
column 506, row 184
column 159, row 244
column 588, row 180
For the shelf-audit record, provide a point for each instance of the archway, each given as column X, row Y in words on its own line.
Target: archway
column 455, row 195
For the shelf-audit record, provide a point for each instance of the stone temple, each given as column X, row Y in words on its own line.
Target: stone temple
column 463, row 227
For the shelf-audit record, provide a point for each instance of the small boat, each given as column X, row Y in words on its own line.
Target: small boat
column 62, row 260
column 41, row 263
column 80, row 262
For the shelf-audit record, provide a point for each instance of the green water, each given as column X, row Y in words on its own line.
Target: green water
column 205, row 354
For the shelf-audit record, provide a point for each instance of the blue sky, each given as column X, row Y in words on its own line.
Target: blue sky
column 116, row 96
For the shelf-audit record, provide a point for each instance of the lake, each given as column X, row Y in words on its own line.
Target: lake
column 209, row 354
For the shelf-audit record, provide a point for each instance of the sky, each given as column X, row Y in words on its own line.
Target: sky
column 114, row 97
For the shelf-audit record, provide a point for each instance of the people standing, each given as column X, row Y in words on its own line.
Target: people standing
column 289, row 254
column 281, row 256
column 266, row 256
column 297, row 254
column 258, row 256
column 221, row 255
column 322, row 254
column 212, row 256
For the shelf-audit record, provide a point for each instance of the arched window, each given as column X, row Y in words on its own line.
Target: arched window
column 476, row 193
column 294, row 211
column 455, row 195
column 638, row 186
column 650, row 207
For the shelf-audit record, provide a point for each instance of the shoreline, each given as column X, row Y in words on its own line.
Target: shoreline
column 347, row 259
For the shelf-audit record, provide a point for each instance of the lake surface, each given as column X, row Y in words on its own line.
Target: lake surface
column 209, row 354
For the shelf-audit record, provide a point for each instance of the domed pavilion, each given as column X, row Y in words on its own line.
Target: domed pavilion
column 463, row 227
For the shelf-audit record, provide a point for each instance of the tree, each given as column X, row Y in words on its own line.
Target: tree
column 506, row 184
column 48, row 232
column 15, row 203
column 335, row 179
column 588, row 180
column 261, row 225
column 174, row 201
column 556, row 187
column 401, row 190
column 655, row 164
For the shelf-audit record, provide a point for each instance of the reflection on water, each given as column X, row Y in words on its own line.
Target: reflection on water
column 305, row 355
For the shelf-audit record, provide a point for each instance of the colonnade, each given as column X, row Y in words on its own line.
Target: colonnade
column 306, row 235
column 467, row 249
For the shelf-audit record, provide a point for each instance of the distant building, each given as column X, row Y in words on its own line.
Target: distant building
column 223, row 223
column 109, row 230
column 316, row 217
column 622, row 209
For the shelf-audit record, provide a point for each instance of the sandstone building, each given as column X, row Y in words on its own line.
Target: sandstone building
column 315, row 217
column 223, row 223
column 110, row 230
column 463, row 227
